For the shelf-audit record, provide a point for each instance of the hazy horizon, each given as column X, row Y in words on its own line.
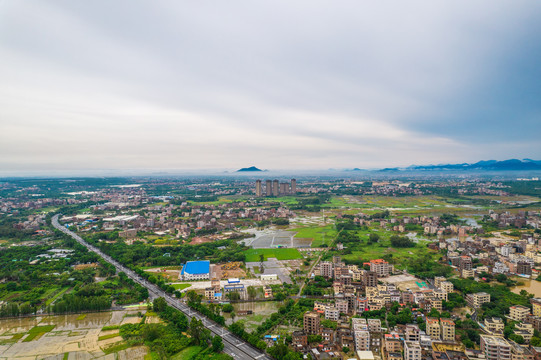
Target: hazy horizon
column 131, row 85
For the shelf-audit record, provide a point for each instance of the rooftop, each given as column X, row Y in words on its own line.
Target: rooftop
column 196, row 267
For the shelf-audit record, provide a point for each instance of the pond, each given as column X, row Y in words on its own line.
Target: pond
column 531, row 286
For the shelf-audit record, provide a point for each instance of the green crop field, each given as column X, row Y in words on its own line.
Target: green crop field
column 252, row 255
column 37, row 331
column 108, row 336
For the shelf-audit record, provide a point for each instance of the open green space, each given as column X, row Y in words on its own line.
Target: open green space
column 252, row 255
column 220, row 201
column 181, row 286
column 400, row 256
column 379, row 201
column 188, row 353
column 288, row 200
column 57, row 295
column 197, row 352
column 320, row 234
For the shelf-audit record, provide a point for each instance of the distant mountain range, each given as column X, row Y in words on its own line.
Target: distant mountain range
column 249, row 169
column 505, row 165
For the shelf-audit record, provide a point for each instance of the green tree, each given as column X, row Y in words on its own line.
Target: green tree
column 198, row 332
column 217, row 344
column 373, row 238
column 252, row 292
column 159, row 305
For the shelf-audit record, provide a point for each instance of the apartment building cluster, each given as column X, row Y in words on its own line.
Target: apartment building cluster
column 370, row 339
column 275, row 188
column 499, row 348
column 182, row 220
column 518, row 220
column 473, row 257
column 432, row 225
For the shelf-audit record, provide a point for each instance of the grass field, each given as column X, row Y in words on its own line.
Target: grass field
column 196, row 351
column 57, row 295
column 181, row 286
column 288, row 200
column 252, row 255
column 402, row 255
column 188, row 353
column 320, row 234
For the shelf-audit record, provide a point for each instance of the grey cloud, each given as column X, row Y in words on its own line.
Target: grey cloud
column 214, row 84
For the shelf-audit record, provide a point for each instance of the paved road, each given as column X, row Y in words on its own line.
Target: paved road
column 233, row 345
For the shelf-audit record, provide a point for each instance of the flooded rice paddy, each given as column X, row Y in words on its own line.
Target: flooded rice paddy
column 74, row 336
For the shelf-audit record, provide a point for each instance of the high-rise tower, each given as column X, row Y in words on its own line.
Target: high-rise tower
column 258, row 189
column 268, row 188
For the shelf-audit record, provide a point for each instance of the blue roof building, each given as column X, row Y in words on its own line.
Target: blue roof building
column 196, row 270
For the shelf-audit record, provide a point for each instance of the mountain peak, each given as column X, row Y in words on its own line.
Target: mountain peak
column 251, row 168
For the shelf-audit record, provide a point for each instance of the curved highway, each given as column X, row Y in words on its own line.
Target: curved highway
column 233, row 345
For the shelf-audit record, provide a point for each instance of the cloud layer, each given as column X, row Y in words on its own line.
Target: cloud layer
column 310, row 84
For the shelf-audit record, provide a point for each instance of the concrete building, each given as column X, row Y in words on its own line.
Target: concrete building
column 332, row 313
column 412, row 350
column 374, row 325
column 268, row 188
column 392, row 343
column 311, row 323
column 524, row 330
column 494, row 325
column 275, row 188
column 342, row 306
column 196, row 270
column 284, row 188
column 447, row 330
column 438, row 280
column 536, row 306
column 524, row 268
column 369, row 278
column 412, row 333
column 465, row 266
column 293, row 186
column 518, row 312
column 447, row 286
column 476, row 300
column 433, row 328
column 258, row 188
column 361, row 334
column 495, row 348
column 326, row 269
column 381, row 267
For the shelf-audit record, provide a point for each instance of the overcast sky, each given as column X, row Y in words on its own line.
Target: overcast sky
column 88, row 85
